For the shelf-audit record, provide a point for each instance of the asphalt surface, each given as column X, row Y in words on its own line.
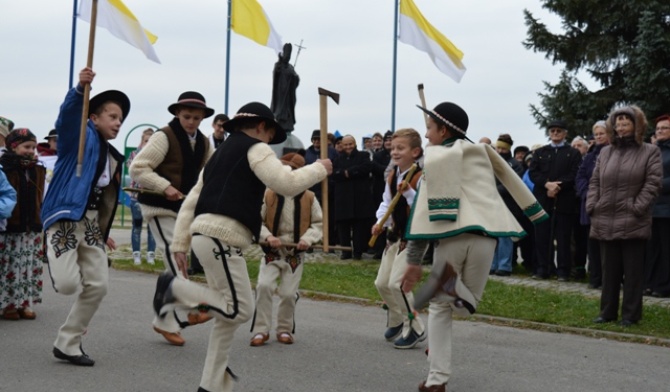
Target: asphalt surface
column 339, row 347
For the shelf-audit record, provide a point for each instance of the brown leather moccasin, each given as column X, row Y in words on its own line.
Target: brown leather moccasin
column 174, row 338
column 259, row 339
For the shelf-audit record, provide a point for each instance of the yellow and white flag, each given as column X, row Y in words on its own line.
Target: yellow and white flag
column 250, row 20
column 120, row 21
column 415, row 30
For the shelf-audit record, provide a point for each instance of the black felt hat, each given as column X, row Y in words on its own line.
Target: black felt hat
column 316, row 134
column 53, row 134
column 450, row 115
column 191, row 99
column 558, row 124
column 110, row 96
column 260, row 111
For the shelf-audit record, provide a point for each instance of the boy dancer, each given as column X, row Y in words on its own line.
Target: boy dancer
column 78, row 211
column 401, row 320
column 285, row 220
column 458, row 205
column 169, row 164
column 219, row 218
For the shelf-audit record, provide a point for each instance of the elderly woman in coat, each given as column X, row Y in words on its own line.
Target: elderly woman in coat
column 622, row 191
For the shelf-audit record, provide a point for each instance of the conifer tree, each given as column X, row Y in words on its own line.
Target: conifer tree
column 622, row 45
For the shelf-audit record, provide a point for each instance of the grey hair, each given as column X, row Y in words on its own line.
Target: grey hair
column 599, row 123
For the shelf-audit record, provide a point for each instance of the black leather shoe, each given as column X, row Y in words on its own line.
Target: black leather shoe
column 602, row 320
column 627, row 323
column 79, row 360
column 163, row 295
column 346, row 256
column 503, row 273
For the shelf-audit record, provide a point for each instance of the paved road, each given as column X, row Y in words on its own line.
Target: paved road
column 338, row 348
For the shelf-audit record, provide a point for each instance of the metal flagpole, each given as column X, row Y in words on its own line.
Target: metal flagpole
column 395, row 63
column 230, row 16
column 72, row 44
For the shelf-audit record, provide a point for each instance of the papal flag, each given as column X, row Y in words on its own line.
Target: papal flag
column 114, row 16
column 415, row 30
column 250, row 20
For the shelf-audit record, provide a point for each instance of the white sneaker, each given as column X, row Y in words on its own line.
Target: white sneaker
column 136, row 258
column 150, row 257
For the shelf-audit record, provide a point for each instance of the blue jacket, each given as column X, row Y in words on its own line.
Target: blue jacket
column 7, row 196
column 67, row 196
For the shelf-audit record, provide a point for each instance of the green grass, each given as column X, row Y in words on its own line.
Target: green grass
column 502, row 303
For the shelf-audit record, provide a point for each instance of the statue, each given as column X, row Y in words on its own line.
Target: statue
column 284, row 84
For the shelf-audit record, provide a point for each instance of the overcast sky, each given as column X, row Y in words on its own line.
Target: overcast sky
column 349, row 50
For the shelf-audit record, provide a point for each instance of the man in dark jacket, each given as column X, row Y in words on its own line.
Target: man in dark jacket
column 553, row 169
column 353, row 197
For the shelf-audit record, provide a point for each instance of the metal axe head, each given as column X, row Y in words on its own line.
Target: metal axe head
column 420, row 86
column 334, row 96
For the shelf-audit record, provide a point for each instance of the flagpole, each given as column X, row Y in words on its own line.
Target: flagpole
column 230, row 16
column 87, row 89
column 72, row 44
column 395, row 63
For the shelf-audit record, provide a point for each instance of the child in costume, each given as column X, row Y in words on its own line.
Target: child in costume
column 219, row 218
column 169, row 165
column 458, row 204
column 22, row 253
column 78, row 211
column 285, row 220
column 401, row 322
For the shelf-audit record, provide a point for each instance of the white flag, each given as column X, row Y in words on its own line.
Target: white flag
column 114, row 16
column 415, row 30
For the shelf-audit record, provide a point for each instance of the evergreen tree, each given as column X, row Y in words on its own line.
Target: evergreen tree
column 623, row 45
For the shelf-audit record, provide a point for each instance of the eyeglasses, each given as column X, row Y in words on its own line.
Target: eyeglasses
column 555, row 130
column 662, row 128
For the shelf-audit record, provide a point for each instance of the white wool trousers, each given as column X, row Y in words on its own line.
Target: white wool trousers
column 471, row 256
column 388, row 282
column 270, row 272
column 77, row 258
column 228, row 298
column 163, row 227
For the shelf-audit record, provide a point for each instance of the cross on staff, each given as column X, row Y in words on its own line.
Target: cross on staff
column 300, row 47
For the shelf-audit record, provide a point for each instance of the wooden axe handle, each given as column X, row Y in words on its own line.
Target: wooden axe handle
column 422, row 97
column 394, row 201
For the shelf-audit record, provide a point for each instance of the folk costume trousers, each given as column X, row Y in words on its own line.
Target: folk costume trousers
column 228, row 298
column 163, row 229
column 471, row 256
column 388, row 282
column 270, row 271
column 77, row 258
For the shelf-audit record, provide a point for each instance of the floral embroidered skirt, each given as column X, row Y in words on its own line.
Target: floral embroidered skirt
column 21, row 258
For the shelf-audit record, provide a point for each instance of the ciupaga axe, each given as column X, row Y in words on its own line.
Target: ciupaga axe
column 323, row 109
